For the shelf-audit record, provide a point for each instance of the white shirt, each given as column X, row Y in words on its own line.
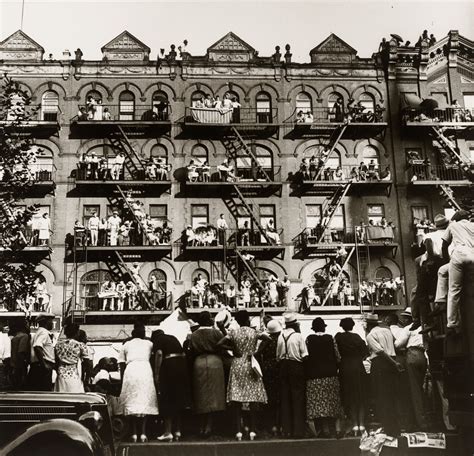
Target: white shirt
column 380, row 340
column 407, row 338
column 437, row 238
column 5, row 346
column 42, row 338
column 222, row 224
column 295, row 348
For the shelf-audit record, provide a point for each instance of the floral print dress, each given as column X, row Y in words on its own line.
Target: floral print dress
column 244, row 385
column 68, row 354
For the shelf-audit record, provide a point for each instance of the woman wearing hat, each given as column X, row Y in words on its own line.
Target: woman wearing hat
column 266, row 356
column 323, row 401
column 208, row 371
column 353, row 351
column 244, row 385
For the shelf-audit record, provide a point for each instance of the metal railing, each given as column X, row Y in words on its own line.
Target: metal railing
column 34, row 173
column 240, row 116
column 105, row 169
column 309, row 171
column 302, row 117
column 424, row 171
column 210, row 236
column 332, row 237
column 239, row 174
column 24, row 114
column 120, row 113
column 437, row 115
column 129, row 235
column 127, row 302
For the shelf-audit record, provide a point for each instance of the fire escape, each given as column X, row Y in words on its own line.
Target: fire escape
column 328, row 291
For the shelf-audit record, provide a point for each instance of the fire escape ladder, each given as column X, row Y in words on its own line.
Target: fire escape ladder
column 130, row 209
column 332, row 144
column 328, row 291
column 447, row 193
column 452, row 151
column 236, row 143
column 121, row 143
column 332, row 206
column 139, row 286
column 249, row 269
column 252, row 214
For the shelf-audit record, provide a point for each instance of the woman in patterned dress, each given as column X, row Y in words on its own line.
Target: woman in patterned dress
column 138, row 395
column 323, row 396
column 68, row 354
column 244, row 385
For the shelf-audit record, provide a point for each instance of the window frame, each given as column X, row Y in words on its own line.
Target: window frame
column 125, row 113
column 375, row 218
column 194, row 217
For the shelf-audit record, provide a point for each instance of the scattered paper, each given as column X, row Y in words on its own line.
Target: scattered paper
column 426, row 440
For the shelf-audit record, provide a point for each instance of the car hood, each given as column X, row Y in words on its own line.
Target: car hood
column 41, row 396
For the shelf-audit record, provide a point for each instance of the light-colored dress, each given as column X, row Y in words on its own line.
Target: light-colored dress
column 68, row 353
column 138, row 396
column 244, row 384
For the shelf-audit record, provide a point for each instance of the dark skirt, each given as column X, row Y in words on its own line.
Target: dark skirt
column 175, row 386
column 353, row 380
column 208, row 384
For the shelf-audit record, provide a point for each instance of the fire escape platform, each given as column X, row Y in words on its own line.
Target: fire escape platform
column 192, row 129
column 327, row 187
column 38, row 128
column 451, row 183
column 101, row 128
column 354, row 130
column 109, row 187
column 215, row 189
column 129, row 253
column 25, row 253
column 313, row 249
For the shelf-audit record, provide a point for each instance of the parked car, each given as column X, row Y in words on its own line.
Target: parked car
column 43, row 423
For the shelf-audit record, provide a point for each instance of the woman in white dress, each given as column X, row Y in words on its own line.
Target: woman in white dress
column 138, row 396
column 272, row 290
column 44, row 226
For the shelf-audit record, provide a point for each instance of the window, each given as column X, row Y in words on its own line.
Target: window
column 243, row 216
column 338, row 222
column 49, row 106
column 88, row 210
column 196, row 96
column 203, row 273
column 42, row 168
column 159, row 151
column 264, row 108
column 468, row 100
column 412, row 154
column 95, row 95
column 333, row 161
column 199, row 215
column 126, row 106
column 91, row 283
column 375, row 212
column 160, row 105
column 158, row 277
column 382, row 273
column 199, row 154
column 159, row 213
column 370, row 153
column 367, row 101
column 267, row 213
column 313, row 215
column 419, row 213
column 233, row 95
column 303, row 102
column 245, row 167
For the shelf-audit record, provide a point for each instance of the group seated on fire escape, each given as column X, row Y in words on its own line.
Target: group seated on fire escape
column 209, row 109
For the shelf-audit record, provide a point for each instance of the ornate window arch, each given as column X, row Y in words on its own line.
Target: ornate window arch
column 245, row 166
column 200, row 154
column 370, row 153
column 383, row 273
column 126, row 105
column 42, row 167
column 334, row 159
column 158, row 286
column 90, row 286
column 196, row 272
column 367, row 101
column 96, row 95
column 160, row 105
column 233, row 94
column 196, row 96
column 50, row 106
column 159, row 151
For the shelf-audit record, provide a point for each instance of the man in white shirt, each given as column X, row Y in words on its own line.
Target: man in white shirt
column 5, row 355
column 221, row 229
column 291, row 352
column 93, row 227
column 384, row 374
column 42, row 355
column 416, row 365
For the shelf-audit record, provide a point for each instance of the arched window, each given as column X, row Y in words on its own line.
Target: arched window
column 95, row 95
column 333, row 97
column 159, row 151
column 371, row 153
column 49, row 106
column 333, row 161
column 383, row 273
column 158, row 287
column 90, row 286
column 200, row 272
column 303, row 102
column 264, row 107
column 199, row 154
column 102, row 151
column 161, row 105
column 367, row 101
column 197, row 96
column 42, row 167
column 126, row 106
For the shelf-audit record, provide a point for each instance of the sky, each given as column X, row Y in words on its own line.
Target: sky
column 67, row 24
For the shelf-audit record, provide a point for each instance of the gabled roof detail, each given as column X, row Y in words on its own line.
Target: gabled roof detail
column 19, row 46
column 231, row 48
column 125, row 47
column 332, row 49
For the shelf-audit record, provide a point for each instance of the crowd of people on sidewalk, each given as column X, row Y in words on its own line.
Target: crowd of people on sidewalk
column 260, row 374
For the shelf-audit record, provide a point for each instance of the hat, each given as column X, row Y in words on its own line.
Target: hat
column 289, row 318
column 460, row 215
column 441, row 221
column 372, row 318
column 193, row 324
column 44, row 316
column 406, row 312
column 223, row 316
column 273, row 327
column 255, row 322
column 318, row 324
